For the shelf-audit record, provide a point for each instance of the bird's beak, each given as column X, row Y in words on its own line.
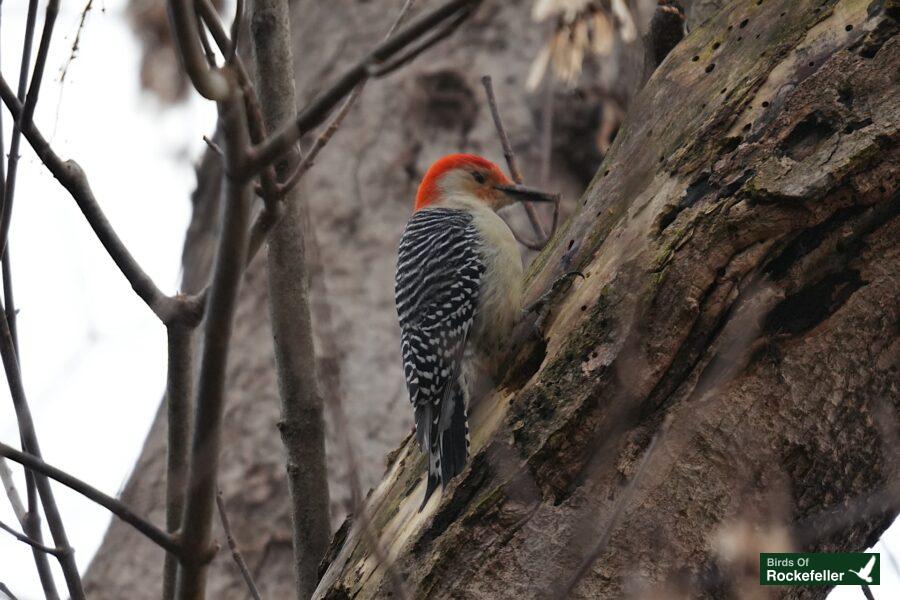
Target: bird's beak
column 526, row 194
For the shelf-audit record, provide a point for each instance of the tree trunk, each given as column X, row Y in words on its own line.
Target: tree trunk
column 724, row 380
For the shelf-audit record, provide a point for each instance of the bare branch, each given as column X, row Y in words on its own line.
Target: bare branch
column 510, row 155
column 216, row 149
column 76, row 45
column 11, row 492
column 32, row 462
column 236, row 30
column 210, row 83
column 302, row 424
column 432, row 38
column 6, row 591
column 58, row 552
column 29, row 519
column 30, row 444
column 15, row 139
column 318, row 110
column 254, row 116
column 322, row 140
column 232, row 545
column 73, row 178
column 178, row 416
column 210, row 403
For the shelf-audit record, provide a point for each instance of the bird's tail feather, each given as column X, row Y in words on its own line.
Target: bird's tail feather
column 446, row 444
column 455, row 439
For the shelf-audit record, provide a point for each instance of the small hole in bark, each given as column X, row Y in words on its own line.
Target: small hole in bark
column 723, row 90
column 765, row 104
column 716, row 46
column 744, row 23
column 747, row 127
column 782, row 14
column 703, row 105
column 606, row 172
column 812, row 63
column 730, row 27
column 662, row 158
column 571, row 243
column 805, row 138
column 583, row 307
column 731, row 144
column 740, row 37
column 695, row 59
column 848, row 28
column 710, row 67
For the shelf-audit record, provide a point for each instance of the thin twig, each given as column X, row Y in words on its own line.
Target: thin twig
column 76, row 44
column 11, row 492
column 209, row 82
column 207, row 47
column 410, row 54
column 216, row 149
column 196, row 524
column 30, row 520
column 5, row 590
column 322, row 140
column 210, row 17
column 236, row 30
column 156, row 535
column 31, row 98
column 867, row 592
column 235, row 553
column 510, row 155
column 30, row 444
column 27, row 540
column 15, row 138
column 178, row 416
column 73, row 178
column 317, row 111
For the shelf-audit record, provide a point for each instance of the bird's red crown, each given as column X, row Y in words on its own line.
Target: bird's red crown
column 429, row 192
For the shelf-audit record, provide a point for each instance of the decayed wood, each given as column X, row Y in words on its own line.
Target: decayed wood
column 740, row 247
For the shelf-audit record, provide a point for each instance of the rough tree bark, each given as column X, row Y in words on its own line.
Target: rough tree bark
column 725, row 378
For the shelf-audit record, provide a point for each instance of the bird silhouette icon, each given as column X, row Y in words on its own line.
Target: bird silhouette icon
column 866, row 572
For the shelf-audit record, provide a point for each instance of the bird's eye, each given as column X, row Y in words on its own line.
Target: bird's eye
column 479, row 177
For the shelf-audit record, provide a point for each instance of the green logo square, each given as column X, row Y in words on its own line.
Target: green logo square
column 838, row 568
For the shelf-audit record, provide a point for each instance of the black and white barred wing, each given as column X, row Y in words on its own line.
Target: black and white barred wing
column 439, row 273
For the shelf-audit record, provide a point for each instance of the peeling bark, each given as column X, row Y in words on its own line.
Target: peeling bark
column 739, row 316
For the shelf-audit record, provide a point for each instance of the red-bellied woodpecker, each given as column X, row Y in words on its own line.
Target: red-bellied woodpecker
column 459, row 294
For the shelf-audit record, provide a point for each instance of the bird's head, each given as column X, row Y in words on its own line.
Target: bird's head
column 468, row 175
